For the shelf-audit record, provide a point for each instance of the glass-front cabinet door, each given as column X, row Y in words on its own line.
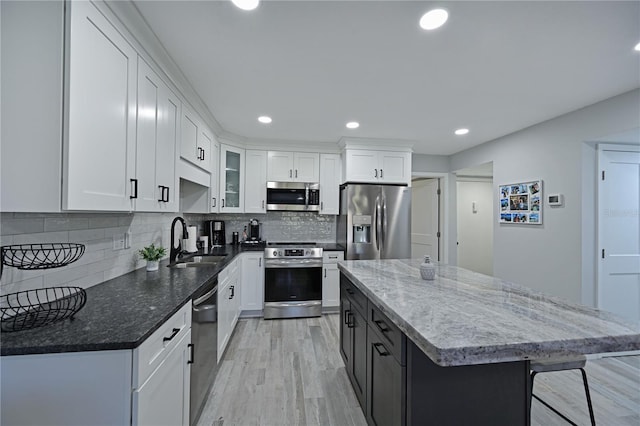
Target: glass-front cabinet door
column 231, row 179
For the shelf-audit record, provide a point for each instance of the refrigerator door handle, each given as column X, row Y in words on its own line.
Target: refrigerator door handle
column 383, row 222
column 378, row 223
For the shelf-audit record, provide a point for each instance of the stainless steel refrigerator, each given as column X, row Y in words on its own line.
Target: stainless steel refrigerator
column 375, row 221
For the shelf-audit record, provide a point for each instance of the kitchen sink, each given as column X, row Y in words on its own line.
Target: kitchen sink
column 197, row 261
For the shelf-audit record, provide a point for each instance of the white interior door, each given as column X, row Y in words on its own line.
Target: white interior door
column 424, row 218
column 619, row 231
column 475, row 225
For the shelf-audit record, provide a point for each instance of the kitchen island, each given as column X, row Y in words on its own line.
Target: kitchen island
column 468, row 340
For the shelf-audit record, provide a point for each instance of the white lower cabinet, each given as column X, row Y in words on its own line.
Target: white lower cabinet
column 164, row 398
column 148, row 385
column 228, row 304
column 331, row 279
column 252, row 282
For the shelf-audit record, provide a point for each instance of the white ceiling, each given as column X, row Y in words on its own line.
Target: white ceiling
column 495, row 67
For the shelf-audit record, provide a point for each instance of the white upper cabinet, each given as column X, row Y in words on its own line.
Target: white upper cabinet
column 255, row 186
column 196, row 141
column 329, row 183
column 100, row 148
column 377, row 166
column 32, row 86
column 293, row 166
column 214, row 205
column 231, row 179
column 157, row 132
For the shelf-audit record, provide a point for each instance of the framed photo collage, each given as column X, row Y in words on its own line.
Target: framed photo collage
column 521, row 203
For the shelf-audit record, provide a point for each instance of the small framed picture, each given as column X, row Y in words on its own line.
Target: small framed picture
column 521, row 203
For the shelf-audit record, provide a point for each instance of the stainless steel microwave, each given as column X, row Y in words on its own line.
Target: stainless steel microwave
column 300, row 196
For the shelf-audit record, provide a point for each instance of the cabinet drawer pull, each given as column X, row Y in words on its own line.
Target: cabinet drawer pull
column 134, row 190
column 351, row 292
column 380, row 327
column 173, row 334
column 377, row 346
column 191, row 353
column 333, row 257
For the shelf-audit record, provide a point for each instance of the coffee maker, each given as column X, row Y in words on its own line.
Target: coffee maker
column 254, row 230
column 215, row 230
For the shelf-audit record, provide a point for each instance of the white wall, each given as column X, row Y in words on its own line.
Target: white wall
column 475, row 230
column 552, row 257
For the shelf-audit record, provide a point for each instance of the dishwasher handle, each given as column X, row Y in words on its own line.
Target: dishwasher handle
column 200, row 300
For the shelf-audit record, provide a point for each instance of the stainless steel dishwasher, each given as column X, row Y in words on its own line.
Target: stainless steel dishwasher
column 204, row 336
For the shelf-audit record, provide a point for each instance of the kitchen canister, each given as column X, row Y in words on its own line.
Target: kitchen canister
column 427, row 269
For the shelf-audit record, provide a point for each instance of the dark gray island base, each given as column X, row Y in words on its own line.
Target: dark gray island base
column 457, row 350
column 397, row 384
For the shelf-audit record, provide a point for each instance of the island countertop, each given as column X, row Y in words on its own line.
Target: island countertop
column 465, row 318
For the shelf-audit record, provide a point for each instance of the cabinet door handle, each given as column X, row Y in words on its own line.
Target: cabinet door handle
column 134, row 189
column 381, row 175
column 223, row 203
column 380, row 327
column 167, row 188
column 376, row 172
column 203, row 152
column 191, row 353
column 351, row 292
column 325, row 272
column 259, row 262
column 321, row 205
column 290, row 173
column 345, row 316
column 263, row 204
column 214, row 202
column 377, row 346
column 296, row 173
column 350, row 324
column 173, row 334
column 161, row 193
column 233, row 291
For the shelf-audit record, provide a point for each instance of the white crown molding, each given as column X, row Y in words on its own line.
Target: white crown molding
column 375, row 143
column 153, row 52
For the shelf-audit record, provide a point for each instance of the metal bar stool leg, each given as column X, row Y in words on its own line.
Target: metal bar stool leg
column 565, row 418
column 586, row 391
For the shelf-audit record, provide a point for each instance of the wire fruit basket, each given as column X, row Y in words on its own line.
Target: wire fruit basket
column 35, row 308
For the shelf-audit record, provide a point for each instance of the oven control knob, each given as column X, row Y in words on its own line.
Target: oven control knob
column 275, row 252
column 308, row 253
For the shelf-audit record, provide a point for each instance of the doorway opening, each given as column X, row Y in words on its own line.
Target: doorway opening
column 474, row 214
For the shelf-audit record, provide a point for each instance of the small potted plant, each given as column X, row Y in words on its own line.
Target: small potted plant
column 152, row 255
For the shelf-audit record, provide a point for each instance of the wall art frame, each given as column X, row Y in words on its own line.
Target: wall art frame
column 520, row 203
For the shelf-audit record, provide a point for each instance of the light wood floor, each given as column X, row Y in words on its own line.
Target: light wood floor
column 289, row 372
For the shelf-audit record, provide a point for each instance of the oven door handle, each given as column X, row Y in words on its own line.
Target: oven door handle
column 301, row 263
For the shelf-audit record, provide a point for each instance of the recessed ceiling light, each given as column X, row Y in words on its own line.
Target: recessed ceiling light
column 434, row 19
column 264, row 119
column 461, row 132
column 637, row 47
column 246, row 4
column 353, row 125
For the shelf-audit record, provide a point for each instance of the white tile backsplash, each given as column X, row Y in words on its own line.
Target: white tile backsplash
column 96, row 231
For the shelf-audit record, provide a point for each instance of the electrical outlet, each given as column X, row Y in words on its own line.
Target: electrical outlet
column 118, row 242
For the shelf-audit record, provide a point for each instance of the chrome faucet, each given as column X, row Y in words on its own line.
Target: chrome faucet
column 175, row 252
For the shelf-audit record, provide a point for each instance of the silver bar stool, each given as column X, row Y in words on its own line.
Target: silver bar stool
column 561, row 364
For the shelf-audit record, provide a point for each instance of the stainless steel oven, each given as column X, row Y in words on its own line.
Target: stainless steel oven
column 293, row 281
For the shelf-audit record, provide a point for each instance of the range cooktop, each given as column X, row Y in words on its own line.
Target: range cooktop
column 292, row 244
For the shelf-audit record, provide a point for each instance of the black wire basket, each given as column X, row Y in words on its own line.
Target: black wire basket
column 41, row 256
column 35, row 308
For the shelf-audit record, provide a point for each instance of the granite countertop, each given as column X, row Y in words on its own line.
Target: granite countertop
column 463, row 317
column 121, row 313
